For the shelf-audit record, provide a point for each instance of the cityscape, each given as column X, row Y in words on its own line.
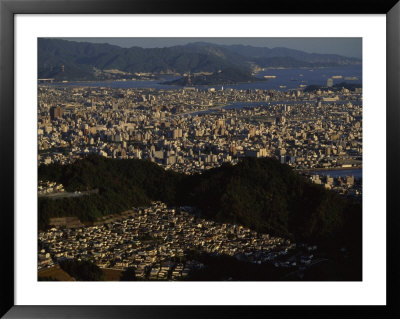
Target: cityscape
column 213, row 162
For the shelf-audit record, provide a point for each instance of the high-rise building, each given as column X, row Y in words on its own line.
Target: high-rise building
column 176, row 133
column 329, row 82
column 280, row 120
column 56, row 112
column 350, row 180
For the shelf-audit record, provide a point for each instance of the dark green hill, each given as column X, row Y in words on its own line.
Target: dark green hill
column 80, row 59
column 270, row 197
column 259, row 193
column 121, row 183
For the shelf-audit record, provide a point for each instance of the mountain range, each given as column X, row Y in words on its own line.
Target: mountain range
column 70, row 60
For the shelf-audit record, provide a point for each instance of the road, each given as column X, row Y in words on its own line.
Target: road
column 68, row 194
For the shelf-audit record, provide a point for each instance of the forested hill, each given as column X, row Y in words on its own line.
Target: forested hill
column 69, row 60
column 259, row 193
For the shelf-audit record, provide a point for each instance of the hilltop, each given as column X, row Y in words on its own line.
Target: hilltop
column 258, row 193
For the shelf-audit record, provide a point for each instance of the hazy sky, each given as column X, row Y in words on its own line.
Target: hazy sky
column 350, row 47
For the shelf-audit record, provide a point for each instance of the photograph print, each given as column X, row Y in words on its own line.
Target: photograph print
column 199, row 159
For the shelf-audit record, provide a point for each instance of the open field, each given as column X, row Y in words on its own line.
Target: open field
column 69, row 222
column 74, row 222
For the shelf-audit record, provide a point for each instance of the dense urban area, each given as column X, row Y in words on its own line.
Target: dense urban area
column 304, row 130
column 190, row 130
column 154, row 240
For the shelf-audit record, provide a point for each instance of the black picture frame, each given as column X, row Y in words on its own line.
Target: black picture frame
column 9, row 8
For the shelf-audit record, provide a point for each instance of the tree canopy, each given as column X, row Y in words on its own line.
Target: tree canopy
column 262, row 194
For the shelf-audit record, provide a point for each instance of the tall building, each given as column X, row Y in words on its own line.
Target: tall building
column 329, row 82
column 56, row 112
column 280, row 120
column 176, row 133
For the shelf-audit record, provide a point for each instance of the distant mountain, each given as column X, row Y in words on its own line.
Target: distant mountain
column 258, row 53
column 69, row 60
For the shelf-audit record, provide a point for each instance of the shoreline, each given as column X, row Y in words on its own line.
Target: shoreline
column 216, row 84
column 98, row 81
